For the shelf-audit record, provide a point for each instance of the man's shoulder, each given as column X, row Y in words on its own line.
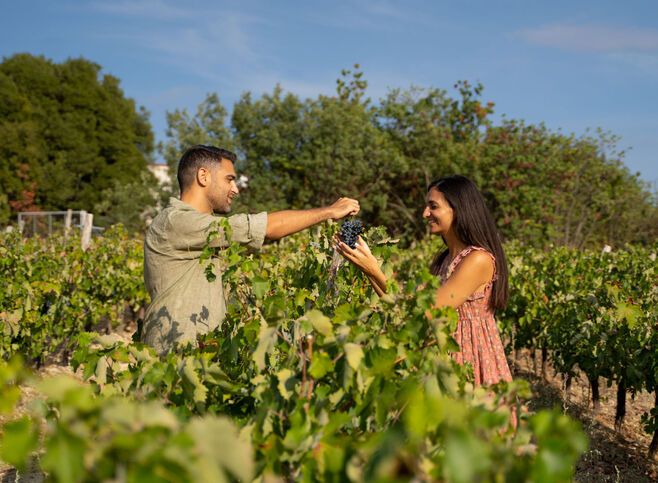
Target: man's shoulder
column 175, row 212
column 179, row 224
column 162, row 225
column 160, row 219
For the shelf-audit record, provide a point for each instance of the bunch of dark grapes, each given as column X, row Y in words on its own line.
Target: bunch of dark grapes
column 350, row 231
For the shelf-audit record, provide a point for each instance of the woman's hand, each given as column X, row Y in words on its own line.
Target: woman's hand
column 361, row 256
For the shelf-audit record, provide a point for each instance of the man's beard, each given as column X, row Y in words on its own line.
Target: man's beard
column 219, row 207
column 222, row 210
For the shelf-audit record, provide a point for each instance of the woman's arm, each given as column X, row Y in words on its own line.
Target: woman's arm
column 364, row 260
column 474, row 271
column 378, row 282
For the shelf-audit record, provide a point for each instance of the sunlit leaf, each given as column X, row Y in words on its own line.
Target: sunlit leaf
column 320, row 322
column 354, row 354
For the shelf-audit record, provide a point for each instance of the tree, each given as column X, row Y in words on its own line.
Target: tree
column 435, row 134
column 345, row 153
column 132, row 204
column 307, row 153
column 544, row 187
column 68, row 132
column 547, row 187
column 270, row 134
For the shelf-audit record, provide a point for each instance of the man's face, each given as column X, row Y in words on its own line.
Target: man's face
column 222, row 188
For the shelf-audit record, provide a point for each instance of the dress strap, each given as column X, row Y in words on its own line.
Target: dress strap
column 461, row 255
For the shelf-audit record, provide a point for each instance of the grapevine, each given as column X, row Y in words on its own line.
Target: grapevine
column 321, row 379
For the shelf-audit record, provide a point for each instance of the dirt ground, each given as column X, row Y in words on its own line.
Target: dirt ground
column 612, row 456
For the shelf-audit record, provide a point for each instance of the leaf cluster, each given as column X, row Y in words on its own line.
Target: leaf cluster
column 543, row 186
column 70, row 137
column 330, row 382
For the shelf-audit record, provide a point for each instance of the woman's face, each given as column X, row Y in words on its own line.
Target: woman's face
column 438, row 213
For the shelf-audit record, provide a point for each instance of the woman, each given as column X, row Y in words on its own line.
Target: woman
column 473, row 272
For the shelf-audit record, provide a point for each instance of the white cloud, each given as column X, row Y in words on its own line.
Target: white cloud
column 266, row 81
column 593, row 38
column 214, row 45
column 369, row 15
column 158, row 9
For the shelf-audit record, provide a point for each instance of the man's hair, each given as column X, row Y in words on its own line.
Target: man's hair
column 199, row 156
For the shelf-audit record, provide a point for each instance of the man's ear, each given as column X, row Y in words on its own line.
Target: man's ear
column 203, row 176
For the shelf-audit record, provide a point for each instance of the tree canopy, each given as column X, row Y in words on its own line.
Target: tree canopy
column 71, row 139
column 69, row 136
column 542, row 186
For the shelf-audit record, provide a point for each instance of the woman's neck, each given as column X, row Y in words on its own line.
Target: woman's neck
column 455, row 245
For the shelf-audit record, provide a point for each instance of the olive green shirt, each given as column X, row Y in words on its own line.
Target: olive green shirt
column 183, row 302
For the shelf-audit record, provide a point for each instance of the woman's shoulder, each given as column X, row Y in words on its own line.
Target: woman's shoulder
column 476, row 260
column 475, row 253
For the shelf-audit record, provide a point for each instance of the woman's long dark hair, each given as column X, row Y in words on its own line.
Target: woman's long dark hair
column 474, row 225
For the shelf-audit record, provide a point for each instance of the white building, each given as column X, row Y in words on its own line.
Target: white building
column 161, row 173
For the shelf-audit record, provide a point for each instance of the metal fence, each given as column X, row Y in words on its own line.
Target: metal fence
column 45, row 223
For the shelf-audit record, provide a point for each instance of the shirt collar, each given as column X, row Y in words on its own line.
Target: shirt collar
column 180, row 205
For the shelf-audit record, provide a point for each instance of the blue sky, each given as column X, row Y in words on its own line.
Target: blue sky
column 572, row 65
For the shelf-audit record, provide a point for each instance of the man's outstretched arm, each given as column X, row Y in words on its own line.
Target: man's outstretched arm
column 287, row 222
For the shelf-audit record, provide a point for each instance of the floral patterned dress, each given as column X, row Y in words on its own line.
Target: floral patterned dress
column 477, row 333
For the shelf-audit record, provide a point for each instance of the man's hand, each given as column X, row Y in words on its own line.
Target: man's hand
column 287, row 222
column 344, row 207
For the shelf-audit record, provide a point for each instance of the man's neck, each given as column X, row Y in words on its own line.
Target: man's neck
column 197, row 201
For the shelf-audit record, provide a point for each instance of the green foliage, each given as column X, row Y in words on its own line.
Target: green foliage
column 67, row 133
column 52, row 290
column 87, row 437
column 129, row 204
column 19, row 436
column 322, row 378
column 548, row 187
column 328, row 380
column 593, row 311
column 295, row 340
column 307, row 153
column 543, row 186
column 5, row 211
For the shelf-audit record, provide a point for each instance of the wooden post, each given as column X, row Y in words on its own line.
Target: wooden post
column 86, row 231
column 67, row 222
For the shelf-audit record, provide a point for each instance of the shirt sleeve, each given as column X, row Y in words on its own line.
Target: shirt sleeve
column 249, row 229
column 190, row 230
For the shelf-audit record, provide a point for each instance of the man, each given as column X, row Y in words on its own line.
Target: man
column 183, row 302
